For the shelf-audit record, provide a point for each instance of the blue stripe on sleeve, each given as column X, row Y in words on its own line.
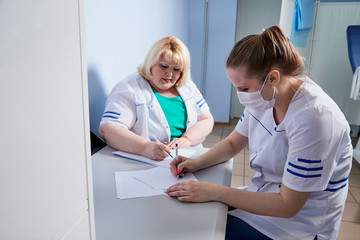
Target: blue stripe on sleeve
column 112, row 113
column 199, row 101
column 335, row 189
column 342, row 180
column 308, row 161
column 110, row 116
column 202, row 104
column 305, row 168
column 302, row 175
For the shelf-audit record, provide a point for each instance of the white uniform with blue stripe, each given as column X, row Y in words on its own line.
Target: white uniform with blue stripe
column 309, row 151
column 133, row 105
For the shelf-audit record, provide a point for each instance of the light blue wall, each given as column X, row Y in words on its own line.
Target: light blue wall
column 119, row 33
column 197, row 11
column 221, row 39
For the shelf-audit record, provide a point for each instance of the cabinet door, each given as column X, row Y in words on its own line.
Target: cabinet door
column 221, row 39
column 44, row 121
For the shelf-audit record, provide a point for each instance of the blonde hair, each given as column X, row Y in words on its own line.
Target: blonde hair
column 259, row 53
column 171, row 48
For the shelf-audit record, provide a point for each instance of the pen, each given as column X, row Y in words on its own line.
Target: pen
column 157, row 140
column 177, row 161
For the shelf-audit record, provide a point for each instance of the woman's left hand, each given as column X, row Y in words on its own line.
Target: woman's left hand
column 191, row 191
column 182, row 142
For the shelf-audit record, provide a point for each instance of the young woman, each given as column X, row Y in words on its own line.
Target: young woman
column 149, row 112
column 299, row 144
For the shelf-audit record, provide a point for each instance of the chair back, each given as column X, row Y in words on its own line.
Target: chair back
column 353, row 41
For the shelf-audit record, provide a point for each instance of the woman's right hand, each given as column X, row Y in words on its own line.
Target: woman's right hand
column 156, row 151
column 184, row 165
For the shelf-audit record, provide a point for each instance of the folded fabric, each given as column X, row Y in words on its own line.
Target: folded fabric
column 304, row 11
column 302, row 22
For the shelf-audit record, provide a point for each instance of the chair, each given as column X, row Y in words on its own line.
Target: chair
column 97, row 99
column 96, row 143
column 353, row 41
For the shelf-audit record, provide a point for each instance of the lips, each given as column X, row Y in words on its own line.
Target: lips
column 166, row 80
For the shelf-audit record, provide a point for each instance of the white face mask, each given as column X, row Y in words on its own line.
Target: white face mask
column 254, row 101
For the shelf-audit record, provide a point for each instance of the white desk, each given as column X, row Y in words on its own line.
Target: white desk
column 158, row 217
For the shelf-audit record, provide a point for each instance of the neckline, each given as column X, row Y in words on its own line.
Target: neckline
column 296, row 96
column 301, row 87
column 162, row 96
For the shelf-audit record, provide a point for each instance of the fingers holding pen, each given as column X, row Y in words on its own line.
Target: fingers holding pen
column 183, row 165
column 174, row 166
column 156, row 150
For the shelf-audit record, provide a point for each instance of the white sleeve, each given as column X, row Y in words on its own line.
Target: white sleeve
column 242, row 126
column 120, row 107
column 311, row 137
column 200, row 103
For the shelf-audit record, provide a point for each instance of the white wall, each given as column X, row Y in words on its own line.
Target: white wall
column 45, row 173
column 326, row 54
column 330, row 66
column 119, row 33
column 252, row 17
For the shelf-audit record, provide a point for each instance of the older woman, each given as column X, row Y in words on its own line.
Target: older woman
column 150, row 111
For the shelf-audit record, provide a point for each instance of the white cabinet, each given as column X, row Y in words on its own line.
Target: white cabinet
column 45, row 174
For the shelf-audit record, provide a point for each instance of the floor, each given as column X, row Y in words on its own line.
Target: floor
column 242, row 173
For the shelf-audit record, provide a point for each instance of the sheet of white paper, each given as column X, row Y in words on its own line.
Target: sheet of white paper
column 145, row 183
column 160, row 178
column 164, row 163
column 129, row 187
column 186, row 152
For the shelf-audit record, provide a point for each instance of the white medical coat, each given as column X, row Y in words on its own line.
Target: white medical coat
column 133, row 105
column 309, row 151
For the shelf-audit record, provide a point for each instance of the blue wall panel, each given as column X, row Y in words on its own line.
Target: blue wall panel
column 221, row 39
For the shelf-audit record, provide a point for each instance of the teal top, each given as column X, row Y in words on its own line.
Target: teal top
column 175, row 112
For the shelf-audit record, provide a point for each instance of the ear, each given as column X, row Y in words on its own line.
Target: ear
column 274, row 77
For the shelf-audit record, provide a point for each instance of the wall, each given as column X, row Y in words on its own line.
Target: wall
column 197, row 28
column 118, row 36
column 326, row 56
column 221, row 39
column 330, row 66
column 45, row 173
column 252, row 17
column 286, row 22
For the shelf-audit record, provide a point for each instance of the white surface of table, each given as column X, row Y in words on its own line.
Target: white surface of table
column 157, row 217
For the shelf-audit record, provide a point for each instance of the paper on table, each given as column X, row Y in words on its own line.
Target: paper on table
column 161, row 178
column 164, row 163
column 129, row 187
column 145, row 183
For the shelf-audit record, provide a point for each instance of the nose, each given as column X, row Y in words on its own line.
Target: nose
column 169, row 72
